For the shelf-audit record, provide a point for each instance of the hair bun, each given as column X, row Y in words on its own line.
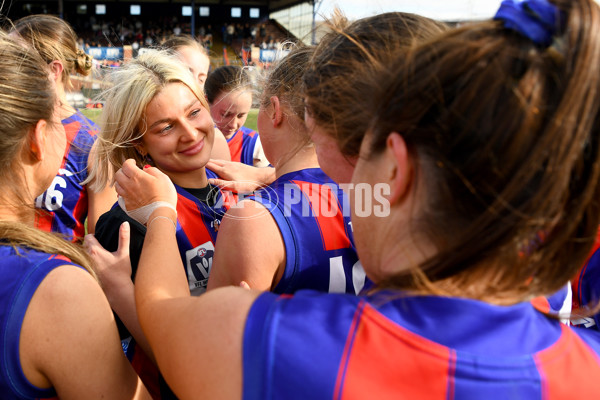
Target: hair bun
column 83, row 63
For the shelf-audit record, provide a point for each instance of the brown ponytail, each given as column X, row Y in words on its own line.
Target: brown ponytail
column 506, row 136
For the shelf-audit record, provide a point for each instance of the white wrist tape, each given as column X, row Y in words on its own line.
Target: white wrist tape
column 142, row 214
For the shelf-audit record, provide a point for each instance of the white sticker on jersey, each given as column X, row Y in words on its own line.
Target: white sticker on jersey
column 198, row 264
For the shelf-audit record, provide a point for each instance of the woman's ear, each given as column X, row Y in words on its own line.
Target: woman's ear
column 277, row 116
column 400, row 172
column 141, row 148
column 56, row 70
column 37, row 140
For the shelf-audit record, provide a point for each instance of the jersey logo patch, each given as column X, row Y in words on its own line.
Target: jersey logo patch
column 199, row 262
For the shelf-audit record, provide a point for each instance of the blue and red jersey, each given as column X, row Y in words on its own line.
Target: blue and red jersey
column 313, row 218
column 197, row 227
column 586, row 288
column 21, row 275
column 242, row 145
column 558, row 304
column 394, row 346
column 65, row 202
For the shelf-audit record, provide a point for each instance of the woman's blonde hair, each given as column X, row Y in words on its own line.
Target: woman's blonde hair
column 26, row 97
column 55, row 40
column 123, row 120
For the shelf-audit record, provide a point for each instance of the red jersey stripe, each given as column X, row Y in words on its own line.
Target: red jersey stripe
column 235, row 146
column 196, row 232
column 339, row 384
column 386, row 359
column 43, row 220
column 145, row 369
column 59, row 257
column 327, row 213
column 71, row 131
column 541, row 304
column 568, row 363
column 80, row 210
column 451, row 374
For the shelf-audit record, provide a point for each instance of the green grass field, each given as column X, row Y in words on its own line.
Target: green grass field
column 94, row 115
column 251, row 120
column 91, row 113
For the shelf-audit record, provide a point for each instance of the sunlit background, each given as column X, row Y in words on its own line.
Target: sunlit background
column 448, row 10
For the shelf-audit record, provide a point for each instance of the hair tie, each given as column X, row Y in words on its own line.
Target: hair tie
column 538, row 20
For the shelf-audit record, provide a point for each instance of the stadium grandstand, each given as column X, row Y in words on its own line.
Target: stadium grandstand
column 239, row 32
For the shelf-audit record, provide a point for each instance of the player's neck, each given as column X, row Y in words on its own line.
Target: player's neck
column 190, row 179
column 303, row 159
column 65, row 108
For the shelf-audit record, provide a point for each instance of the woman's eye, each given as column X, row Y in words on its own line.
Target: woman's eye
column 166, row 128
column 195, row 112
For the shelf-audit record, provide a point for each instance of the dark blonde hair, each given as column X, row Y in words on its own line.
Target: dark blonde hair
column 284, row 80
column 504, row 135
column 336, row 77
column 17, row 234
column 225, row 79
column 55, row 40
column 176, row 42
column 26, row 97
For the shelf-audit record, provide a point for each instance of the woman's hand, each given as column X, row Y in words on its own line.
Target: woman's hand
column 114, row 272
column 143, row 187
column 113, row 269
column 239, row 177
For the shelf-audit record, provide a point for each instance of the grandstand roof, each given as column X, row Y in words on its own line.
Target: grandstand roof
column 272, row 5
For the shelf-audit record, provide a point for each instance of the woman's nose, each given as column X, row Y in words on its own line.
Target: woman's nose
column 189, row 132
